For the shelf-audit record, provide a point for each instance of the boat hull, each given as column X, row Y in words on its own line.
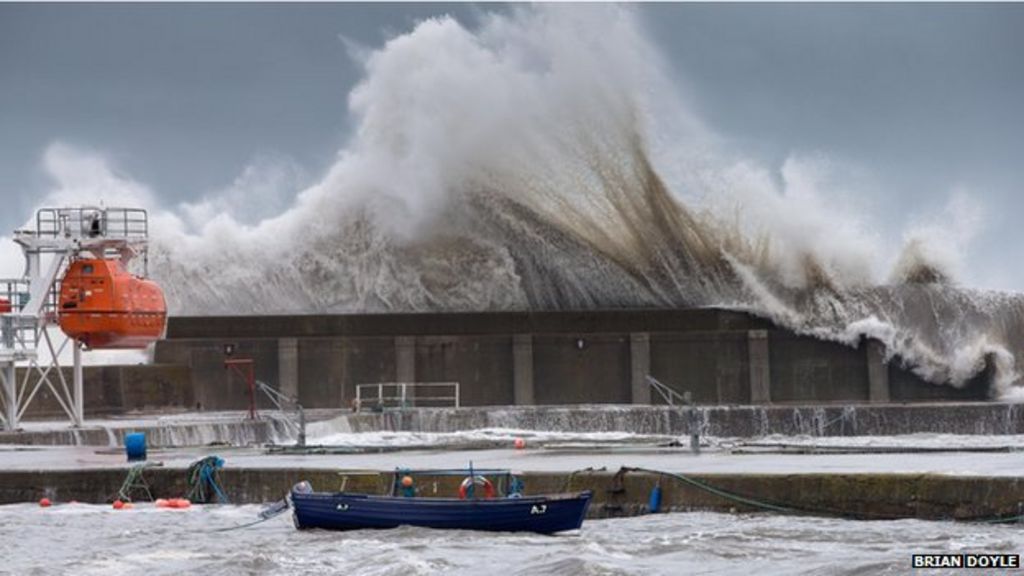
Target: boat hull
column 343, row 511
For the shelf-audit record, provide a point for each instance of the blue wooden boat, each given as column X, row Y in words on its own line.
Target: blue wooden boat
column 509, row 512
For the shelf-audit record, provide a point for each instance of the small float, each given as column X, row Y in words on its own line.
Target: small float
column 489, row 500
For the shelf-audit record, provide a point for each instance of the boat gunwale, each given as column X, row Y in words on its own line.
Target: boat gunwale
column 560, row 496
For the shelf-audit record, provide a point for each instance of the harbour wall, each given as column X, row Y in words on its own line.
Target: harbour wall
column 865, row 496
column 720, row 357
column 987, row 418
column 114, row 390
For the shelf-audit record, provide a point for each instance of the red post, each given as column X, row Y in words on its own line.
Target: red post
column 244, row 368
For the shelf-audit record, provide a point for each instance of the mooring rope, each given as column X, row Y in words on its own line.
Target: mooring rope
column 764, row 505
column 721, row 493
column 135, row 481
column 267, row 513
column 202, row 475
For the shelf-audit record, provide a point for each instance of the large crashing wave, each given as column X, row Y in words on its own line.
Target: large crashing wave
column 543, row 162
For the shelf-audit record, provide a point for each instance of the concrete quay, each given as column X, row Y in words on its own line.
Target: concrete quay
column 863, row 496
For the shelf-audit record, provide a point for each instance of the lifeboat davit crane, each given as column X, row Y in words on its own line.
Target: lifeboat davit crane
column 77, row 277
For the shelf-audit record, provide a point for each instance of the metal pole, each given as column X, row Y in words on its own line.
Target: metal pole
column 694, row 424
column 302, row 425
column 78, row 402
column 9, row 375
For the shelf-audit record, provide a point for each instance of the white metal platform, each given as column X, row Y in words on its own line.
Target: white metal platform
column 27, row 340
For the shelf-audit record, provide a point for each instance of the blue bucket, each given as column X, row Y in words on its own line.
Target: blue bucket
column 135, row 446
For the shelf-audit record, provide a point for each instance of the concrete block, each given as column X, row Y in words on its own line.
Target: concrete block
column 405, row 359
column 288, row 366
column 640, row 367
column 760, row 367
column 878, row 372
column 522, row 369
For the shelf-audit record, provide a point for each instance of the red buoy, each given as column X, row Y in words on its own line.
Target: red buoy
column 519, row 443
column 45, row 502
column 118, row 504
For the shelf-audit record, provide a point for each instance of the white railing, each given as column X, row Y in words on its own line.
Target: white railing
column 384, row 395
column 92, row 221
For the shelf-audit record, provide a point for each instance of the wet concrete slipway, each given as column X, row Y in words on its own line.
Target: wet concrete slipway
column 843, row 503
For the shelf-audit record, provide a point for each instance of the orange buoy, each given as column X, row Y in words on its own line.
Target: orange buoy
column 128, row 506
column 162, row 503
column 519, row 443
column 178, row 503
column 45, row 503
column 104, row 306
column 406, row 481
column 118, row 504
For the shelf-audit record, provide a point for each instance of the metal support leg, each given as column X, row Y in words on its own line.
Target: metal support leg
column 10, row 392
column 78, row 402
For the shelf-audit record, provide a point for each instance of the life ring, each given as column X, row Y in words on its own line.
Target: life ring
column 478, row 480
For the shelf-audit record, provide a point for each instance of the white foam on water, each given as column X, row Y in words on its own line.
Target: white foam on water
column 96, row 539
column 484, row 435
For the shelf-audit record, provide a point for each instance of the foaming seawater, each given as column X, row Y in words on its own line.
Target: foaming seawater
column 99, row 540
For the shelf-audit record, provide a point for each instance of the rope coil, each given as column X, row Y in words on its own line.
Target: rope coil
column 203, row 481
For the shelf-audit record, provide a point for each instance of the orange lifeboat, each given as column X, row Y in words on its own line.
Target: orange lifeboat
column 5, row 306
column 104, row 306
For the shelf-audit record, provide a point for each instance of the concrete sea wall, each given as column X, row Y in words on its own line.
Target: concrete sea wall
column 721, row 421
column 518, row 358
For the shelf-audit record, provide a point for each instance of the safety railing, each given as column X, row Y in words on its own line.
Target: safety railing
column 16, row 292
column 92, row 222
column 384, row 395
column 19, row 334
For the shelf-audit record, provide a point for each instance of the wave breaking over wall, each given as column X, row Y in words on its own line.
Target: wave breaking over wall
column 543, row 160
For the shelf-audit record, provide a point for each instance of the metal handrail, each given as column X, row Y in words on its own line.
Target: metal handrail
column 689, row 410
column 668, row 394
column 278, row 399
column 402, row 398
column 92, row 221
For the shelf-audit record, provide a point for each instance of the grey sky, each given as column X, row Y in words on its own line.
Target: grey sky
column 922, row 98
